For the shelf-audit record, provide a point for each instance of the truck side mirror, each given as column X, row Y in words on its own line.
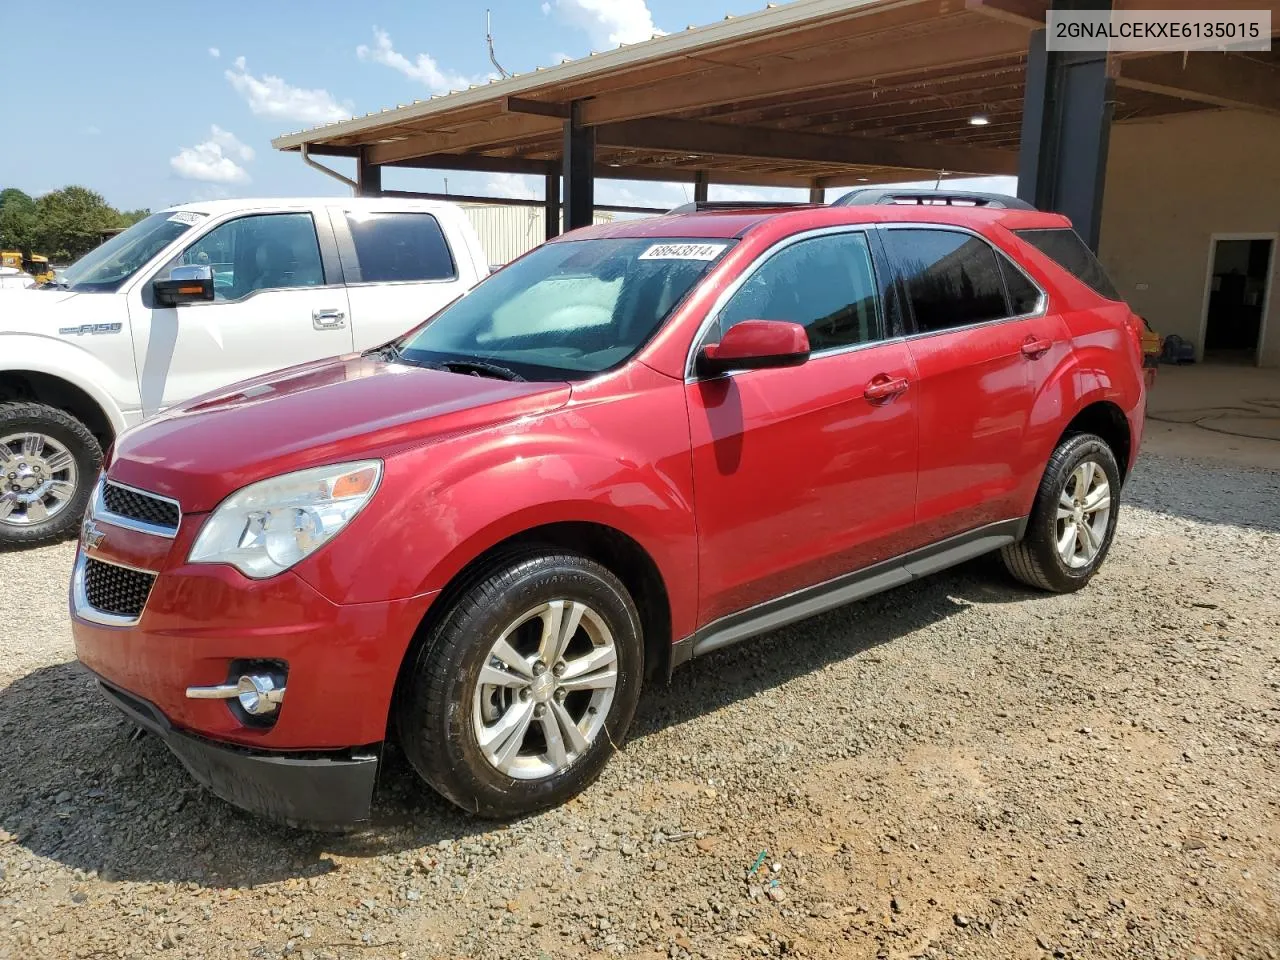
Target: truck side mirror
column 185, row 284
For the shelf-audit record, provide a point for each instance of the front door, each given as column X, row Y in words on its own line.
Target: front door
column 275, row 304
column 799, row 475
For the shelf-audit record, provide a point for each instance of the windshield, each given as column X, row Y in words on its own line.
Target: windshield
column 567, row 310
column 104, row 268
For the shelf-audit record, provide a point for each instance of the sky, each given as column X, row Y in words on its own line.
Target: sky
column 153, row 104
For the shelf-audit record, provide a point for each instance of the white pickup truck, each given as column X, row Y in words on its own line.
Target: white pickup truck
column 193, row 298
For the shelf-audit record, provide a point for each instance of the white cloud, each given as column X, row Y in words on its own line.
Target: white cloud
column 214, row 160
column 424, row 69
column 230, row 143
column 215, row 52
column 515, row 185
column 546, row 8
column 608, row 23
column 270, row 96
column 92, row 131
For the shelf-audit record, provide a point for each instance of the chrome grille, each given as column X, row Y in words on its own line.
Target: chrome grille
column 118, row 591
column 141, row 508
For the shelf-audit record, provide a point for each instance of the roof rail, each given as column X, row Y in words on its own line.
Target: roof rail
column 969, row 198
column 701, row 206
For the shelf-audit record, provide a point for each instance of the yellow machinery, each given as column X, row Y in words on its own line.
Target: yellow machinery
column 36, row 264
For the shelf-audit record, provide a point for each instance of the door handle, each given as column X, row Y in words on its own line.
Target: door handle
column 328, row 319
column 884, row 387
column 1035, row 347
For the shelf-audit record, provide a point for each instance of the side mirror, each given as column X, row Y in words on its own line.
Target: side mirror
column 185, row 284
column 755, row 345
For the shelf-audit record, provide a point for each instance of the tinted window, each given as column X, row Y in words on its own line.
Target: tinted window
column 1023, row 294
column 953, row 279
column 826, row 284
column 1065, row 248
column 400, row 246
column 266, row 252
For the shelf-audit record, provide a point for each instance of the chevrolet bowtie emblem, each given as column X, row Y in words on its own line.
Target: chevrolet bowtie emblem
column 90, row 536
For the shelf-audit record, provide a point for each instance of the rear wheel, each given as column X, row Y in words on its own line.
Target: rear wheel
column 1073, row 519
column 526, row 687
column 48, row 462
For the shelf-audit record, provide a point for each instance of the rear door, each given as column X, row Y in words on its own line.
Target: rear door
column 400, row 268
column 278, row 300
column 981, row 345
column 800, row 475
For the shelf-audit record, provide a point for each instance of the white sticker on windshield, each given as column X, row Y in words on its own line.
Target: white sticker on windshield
column 683, row 251
column 189, row 217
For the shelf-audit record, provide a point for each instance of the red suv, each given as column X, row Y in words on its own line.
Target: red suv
column 637, row 444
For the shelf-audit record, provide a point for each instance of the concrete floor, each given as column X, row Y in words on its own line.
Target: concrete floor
column 1221, row 412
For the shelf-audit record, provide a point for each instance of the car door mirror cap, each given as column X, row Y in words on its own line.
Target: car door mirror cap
column 185, row 284
column 755, row 345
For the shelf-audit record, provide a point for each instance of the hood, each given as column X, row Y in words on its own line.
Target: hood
column 37, row 311
column 330, row 411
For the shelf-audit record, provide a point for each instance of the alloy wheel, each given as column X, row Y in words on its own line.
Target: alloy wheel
column 544, row 691
column 1084, row 510
column 37, row 478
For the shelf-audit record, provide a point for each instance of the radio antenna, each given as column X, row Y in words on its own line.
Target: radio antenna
column 488, row 36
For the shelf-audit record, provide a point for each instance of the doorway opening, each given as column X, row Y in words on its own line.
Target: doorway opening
column 1237, row 296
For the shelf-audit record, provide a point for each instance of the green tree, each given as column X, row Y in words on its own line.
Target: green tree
column 17, row 220
column 70, row 221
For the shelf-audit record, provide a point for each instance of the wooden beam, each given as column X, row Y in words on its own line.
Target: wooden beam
column 535, row 107
column 1222, row 80
column 972, row 42
column 474, row 161
column 1026, row 13
column 694, row 137
column 502, row 129
column 510, row 201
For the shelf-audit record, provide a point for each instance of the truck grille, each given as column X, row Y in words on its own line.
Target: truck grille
column 142, row 507
column 119, row 591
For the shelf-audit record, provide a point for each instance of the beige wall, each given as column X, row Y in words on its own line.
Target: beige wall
column 1171, row 184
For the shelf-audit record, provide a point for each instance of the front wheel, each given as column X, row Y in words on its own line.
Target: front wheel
column 48, row 462
column 1073, row 519
column 526, row 686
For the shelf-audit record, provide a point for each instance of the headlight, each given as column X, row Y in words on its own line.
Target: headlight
column 267, row 527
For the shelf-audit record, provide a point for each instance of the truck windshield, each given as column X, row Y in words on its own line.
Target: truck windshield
column 567, row 310
column 104, row 268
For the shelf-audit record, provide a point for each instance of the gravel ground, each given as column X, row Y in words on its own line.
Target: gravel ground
column 957, row 768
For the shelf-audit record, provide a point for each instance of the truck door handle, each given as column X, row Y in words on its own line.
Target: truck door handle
column 1033, row 348
column 884, row 387
column 328, row 319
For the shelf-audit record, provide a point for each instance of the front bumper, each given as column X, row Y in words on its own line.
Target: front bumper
column 320, row 791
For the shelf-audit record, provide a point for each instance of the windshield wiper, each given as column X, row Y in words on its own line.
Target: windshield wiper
column 480, row 368
column 388, row 352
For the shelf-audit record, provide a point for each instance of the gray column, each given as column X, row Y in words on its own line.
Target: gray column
column 579, row 172
column 1066, row 128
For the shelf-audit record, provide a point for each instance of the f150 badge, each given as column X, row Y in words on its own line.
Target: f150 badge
column 90, row 328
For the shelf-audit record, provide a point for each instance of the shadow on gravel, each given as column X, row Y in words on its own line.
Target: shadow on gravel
column 1207, row 491
column 78, row 787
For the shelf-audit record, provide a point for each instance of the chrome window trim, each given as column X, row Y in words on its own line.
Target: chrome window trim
column 84, row 610
column 713, row 313
column 98, row 511
column 1042, row 304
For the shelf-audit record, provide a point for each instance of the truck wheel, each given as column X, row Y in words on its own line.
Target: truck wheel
column 1072, row 520
column 526, row 686
column 48, row 463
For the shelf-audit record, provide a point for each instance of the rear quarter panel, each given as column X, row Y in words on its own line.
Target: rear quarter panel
column 1104, row 362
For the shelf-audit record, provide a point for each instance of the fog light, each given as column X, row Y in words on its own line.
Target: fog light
column 259, row 695
column 257, row 692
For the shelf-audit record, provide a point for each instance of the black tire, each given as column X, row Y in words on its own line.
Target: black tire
column 434, row 704
column 1035, row 559
column 25, row 417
